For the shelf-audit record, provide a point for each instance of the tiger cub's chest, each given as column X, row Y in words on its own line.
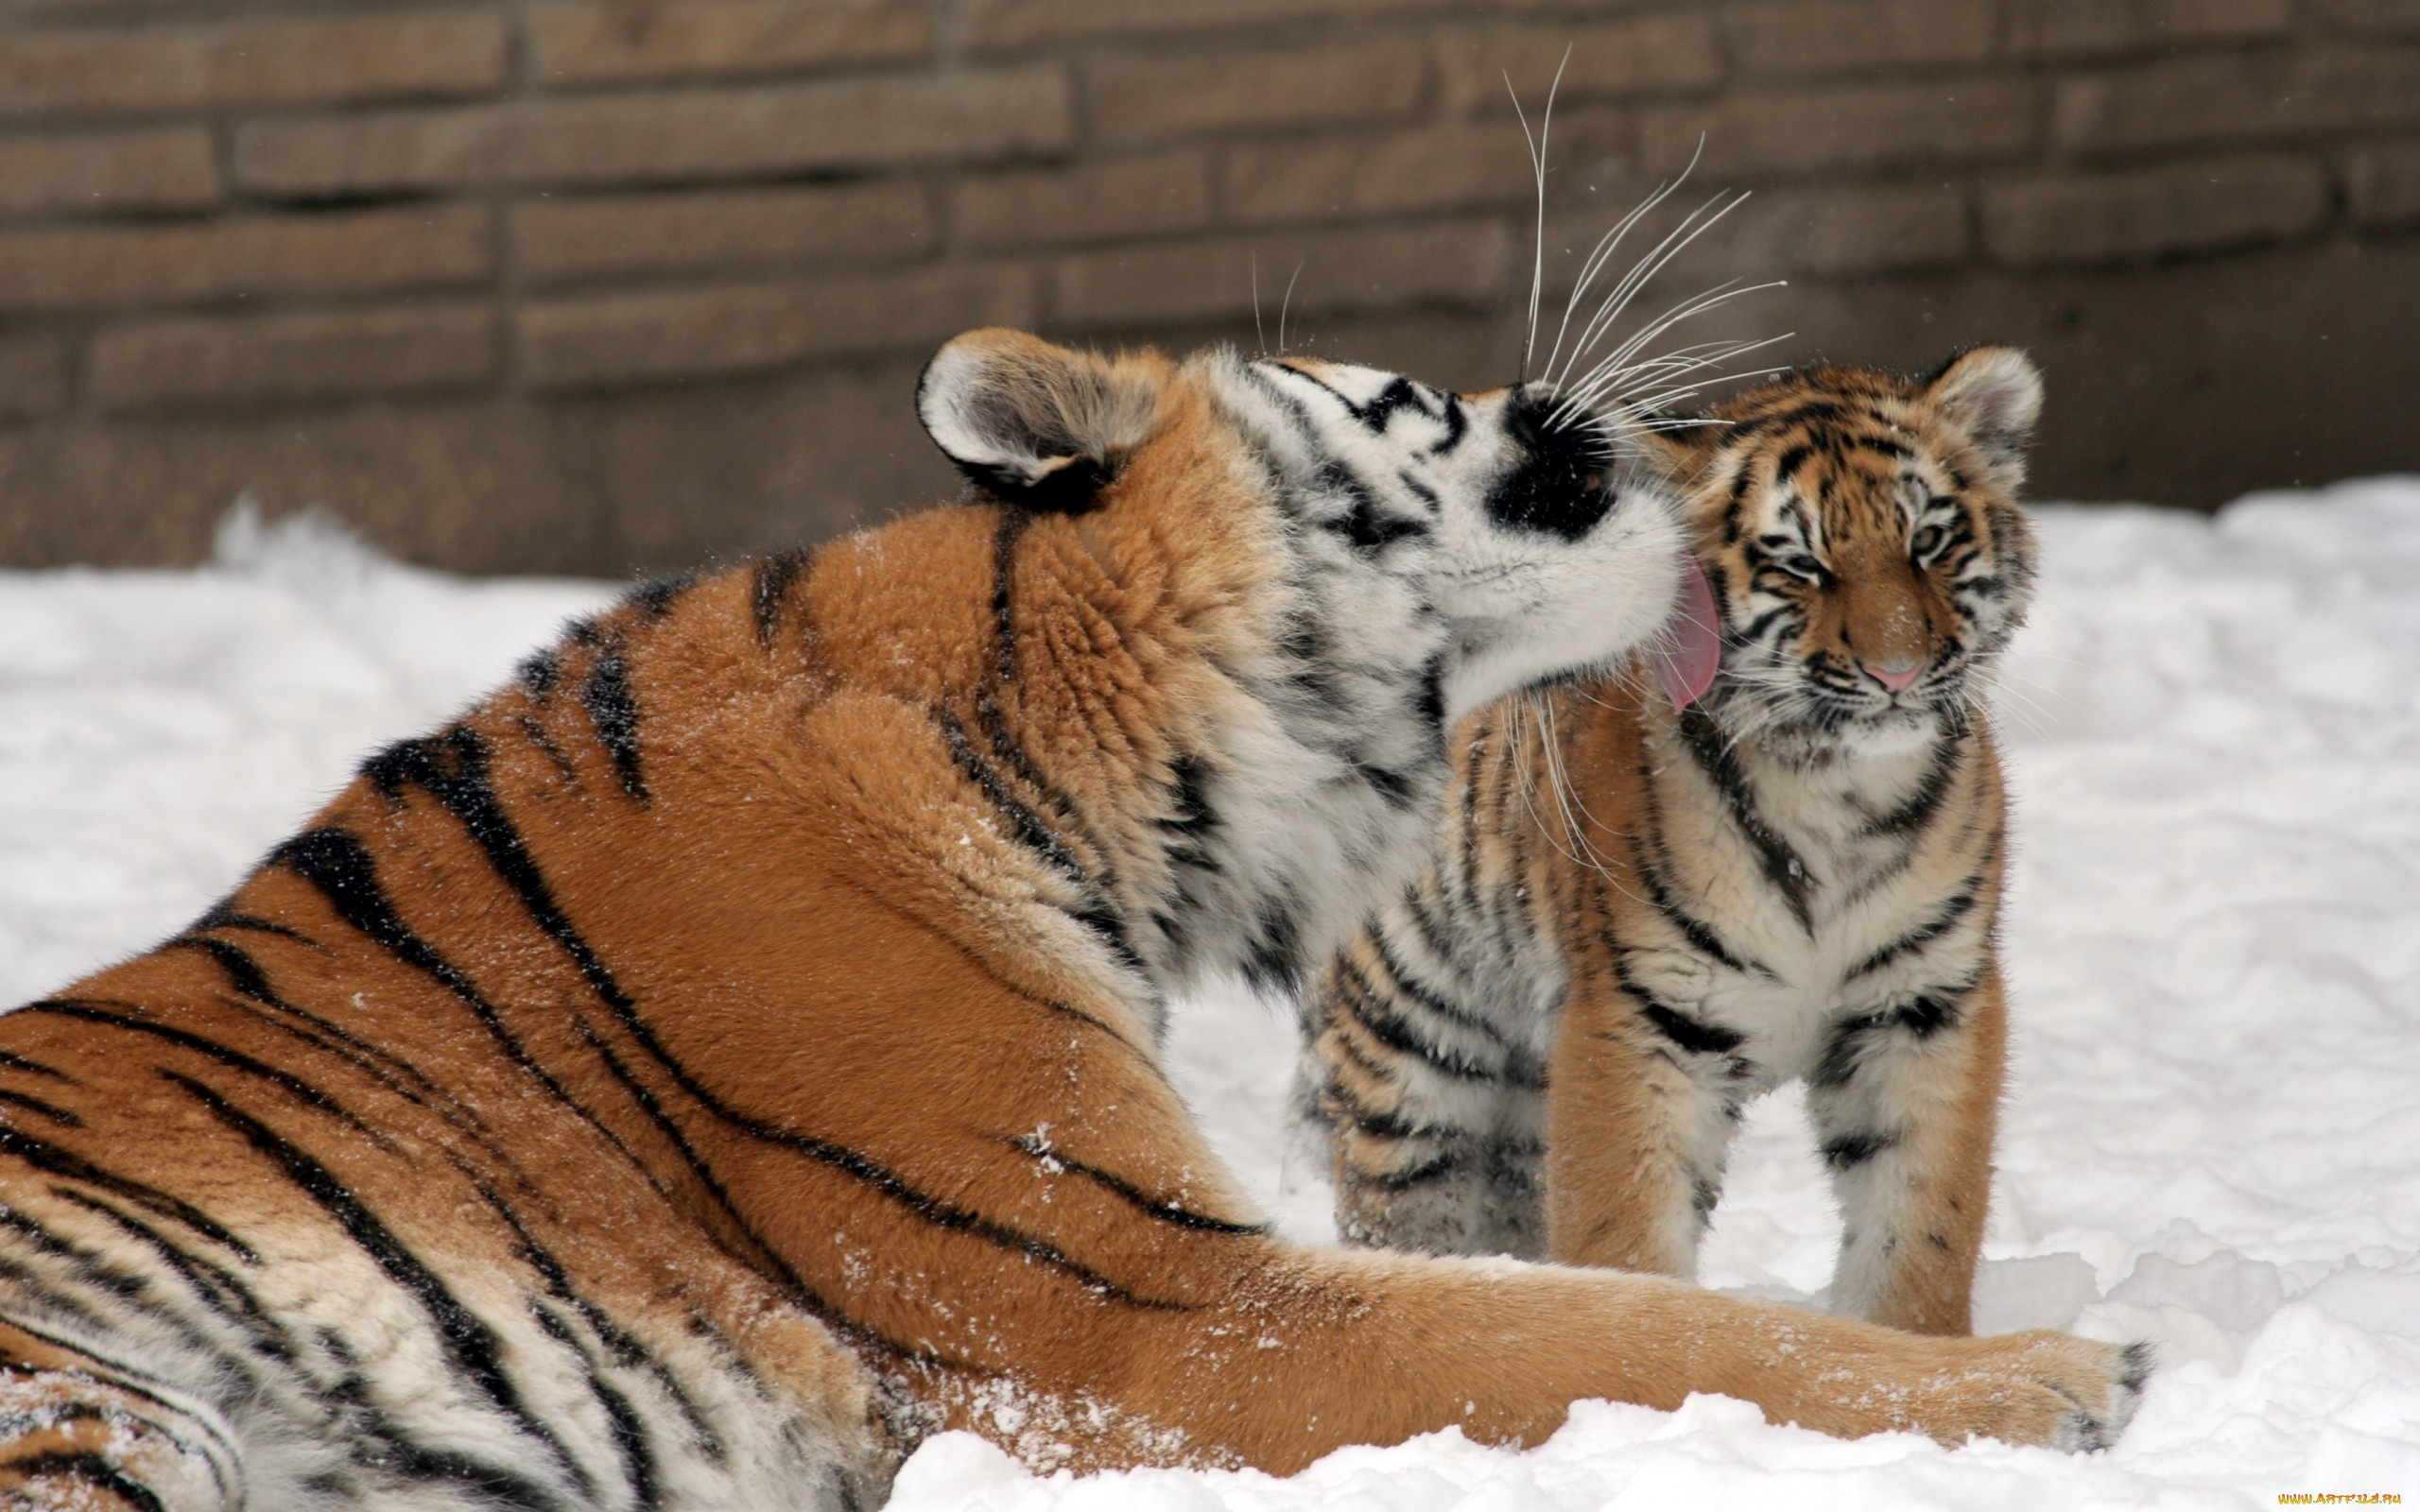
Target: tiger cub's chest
column 1796, row 893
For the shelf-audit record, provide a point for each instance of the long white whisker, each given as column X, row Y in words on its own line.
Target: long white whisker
column 1690, row 309
column 1622, row 382
column 1675, row 241
column 1618, row 360
column 1259, row 333
column 1281, row 307
column 1611, row 240
column 1538, row 170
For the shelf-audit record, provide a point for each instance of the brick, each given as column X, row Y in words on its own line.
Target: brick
column 668, row 137
column 2129, row 216
column 2371, row 15
column 349, row 253
column 1861, row 128
column 2068, row 29
column 2231, row 97
column 1843, row 232
column 558, row 241
column 2383, row 184
column 1090, row 201
column 1448, row 167
column 586, row 42
column 264, row 63
column 1025, row 22
column 33, row 376
column 1461, row 263
column 167, row 169
column 1138, row 99
column 1659, row 54
column 1842, row 36
column 652, row 338
column 243, row 360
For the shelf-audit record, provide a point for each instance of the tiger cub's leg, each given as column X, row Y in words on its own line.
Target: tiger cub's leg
column 1646, row 1102
column 1905, row 1104
column 1433, row 1118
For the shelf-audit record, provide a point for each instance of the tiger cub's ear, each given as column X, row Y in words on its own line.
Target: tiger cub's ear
column 1033, row 424
column 1678, row 446
column 1993, row 394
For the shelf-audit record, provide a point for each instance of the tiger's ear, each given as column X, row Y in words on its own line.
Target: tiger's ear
column 1994, row 395
column 1035, row 424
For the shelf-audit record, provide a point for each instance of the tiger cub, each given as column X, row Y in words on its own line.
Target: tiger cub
column 1640, row 916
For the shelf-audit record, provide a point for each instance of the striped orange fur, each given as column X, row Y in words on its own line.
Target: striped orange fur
column 728, row 1052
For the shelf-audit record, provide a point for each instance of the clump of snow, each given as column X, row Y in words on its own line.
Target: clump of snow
column 2213, row 1134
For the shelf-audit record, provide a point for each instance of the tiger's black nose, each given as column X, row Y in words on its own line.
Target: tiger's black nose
column 1562, row 485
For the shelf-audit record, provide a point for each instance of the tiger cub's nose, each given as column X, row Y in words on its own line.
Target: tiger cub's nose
column 1895, row 675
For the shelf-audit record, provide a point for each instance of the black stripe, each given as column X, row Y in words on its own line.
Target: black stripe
column 92, row 1470
column 1379, row 1124
column 1362, row 1003
column 536, row 734
column 1659, row 893
column 1162, row 1210
column 1945, row 918
column 622, row 1421
column 774, row 575
column 1781, row 865
column 1690, row 1034
column 319, row 1035
column 242, row 971
column 285, row 1081
column 336, row 864
column 620, row 1344
column 539, row 673
column 1428, row 996
column 1435, row 1168
column 460, row 786
column 55, row 1162
column 1031, row 831
column 759, row 1252
column 470, row 1346
column 1917, row 814
column 34, row 1068
column 992, row 718
column 339, row 862
column 1925, row 1015
column 34, row 1104
column 612, row 708
column 656, row 597
column 218, row 1288
column 224, row 915
column 1849, row 1151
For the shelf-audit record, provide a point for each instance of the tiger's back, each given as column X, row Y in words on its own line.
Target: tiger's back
column 1638, row 919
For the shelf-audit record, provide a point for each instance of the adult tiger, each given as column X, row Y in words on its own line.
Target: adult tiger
column 728, row 1052
column 1640, row 917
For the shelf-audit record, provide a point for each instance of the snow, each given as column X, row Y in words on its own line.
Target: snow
column 2212, row 1136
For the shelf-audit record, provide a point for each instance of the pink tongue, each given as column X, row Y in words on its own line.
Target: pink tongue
column 1689, row 647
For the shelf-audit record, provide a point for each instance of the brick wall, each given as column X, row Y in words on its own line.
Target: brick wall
column 597, row 285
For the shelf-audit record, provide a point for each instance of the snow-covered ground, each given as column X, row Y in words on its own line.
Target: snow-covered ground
column 2213, row 1138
